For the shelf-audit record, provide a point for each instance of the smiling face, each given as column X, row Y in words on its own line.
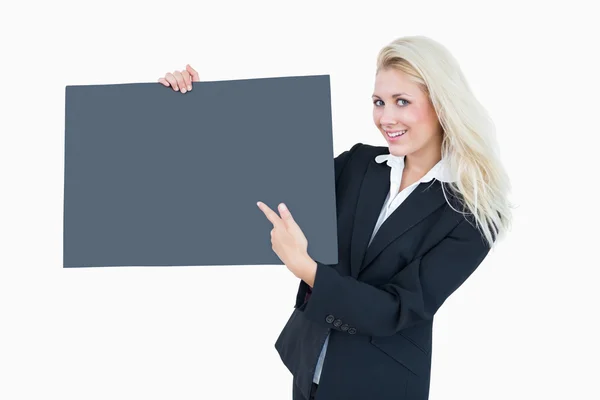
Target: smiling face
column 399, row 104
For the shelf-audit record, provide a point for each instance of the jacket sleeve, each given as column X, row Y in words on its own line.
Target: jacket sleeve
column 414, row 294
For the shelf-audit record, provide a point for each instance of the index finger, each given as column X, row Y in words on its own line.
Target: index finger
column 271, row 215
column 187, row 79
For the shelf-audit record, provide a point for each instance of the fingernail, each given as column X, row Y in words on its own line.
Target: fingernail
column 283, row 207
column 189, row 88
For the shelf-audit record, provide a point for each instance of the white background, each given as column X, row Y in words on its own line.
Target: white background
column 522, row 326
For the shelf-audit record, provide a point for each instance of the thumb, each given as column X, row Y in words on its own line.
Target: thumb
column 193, row 72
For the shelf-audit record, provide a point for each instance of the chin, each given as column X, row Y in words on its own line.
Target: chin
column 395, row 151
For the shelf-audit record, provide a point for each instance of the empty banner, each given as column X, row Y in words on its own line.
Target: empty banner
column 154, row 177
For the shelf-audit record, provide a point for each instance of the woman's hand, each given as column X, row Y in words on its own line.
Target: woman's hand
column 181, row 81
column 289, row 243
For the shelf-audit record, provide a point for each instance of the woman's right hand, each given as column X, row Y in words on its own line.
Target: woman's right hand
column 181, row 80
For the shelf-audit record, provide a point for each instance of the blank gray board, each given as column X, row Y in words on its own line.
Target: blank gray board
column 154, row 177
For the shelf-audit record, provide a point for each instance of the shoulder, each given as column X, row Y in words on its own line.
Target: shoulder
column 363, row 153
column 467, row 229
column 370, row 151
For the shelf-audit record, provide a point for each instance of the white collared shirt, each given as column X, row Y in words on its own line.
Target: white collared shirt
column 440, row 171
column 395, row 197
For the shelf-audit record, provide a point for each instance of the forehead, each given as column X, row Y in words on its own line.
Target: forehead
column 390, row 81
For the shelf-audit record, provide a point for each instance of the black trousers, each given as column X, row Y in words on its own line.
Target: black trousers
column 297, row 395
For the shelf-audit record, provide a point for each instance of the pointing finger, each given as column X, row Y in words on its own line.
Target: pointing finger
column 271, row 215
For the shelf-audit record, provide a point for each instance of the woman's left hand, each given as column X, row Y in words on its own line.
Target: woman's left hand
column 289, row 242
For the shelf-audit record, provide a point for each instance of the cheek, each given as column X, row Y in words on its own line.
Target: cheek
column 376, row 115
column 419, row 119
column 426, row 132
column 415, row 117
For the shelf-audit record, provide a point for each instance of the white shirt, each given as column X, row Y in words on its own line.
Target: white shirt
column 393, row 200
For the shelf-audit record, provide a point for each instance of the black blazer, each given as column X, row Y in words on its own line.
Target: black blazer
column 378, row 302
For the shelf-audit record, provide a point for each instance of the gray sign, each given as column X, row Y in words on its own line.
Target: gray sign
column 154, row 177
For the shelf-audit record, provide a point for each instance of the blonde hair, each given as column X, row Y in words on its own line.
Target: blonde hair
column 469, row 143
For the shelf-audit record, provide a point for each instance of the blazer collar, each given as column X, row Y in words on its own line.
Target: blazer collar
column 425, row 199
column 440, row 171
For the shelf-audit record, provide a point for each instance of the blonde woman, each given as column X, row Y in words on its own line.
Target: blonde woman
column 415, row 219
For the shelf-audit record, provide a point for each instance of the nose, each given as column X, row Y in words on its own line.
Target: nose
column 387, row 117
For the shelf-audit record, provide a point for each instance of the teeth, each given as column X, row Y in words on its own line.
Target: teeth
column 396, row 134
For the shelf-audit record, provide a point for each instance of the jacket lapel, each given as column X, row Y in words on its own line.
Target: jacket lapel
column 426, row 198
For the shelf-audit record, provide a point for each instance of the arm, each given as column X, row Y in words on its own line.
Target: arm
column 414, row 294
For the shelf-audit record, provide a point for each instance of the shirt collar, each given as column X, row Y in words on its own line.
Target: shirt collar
column 440, row 171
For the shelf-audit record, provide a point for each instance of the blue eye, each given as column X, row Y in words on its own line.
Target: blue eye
column 375, row 102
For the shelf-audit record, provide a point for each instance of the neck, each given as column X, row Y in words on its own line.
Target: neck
column 421, row 161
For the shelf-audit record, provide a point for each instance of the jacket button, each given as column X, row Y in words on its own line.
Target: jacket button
column 352, row 331
column 337, row 323
column 329, row 319
column 344, row 327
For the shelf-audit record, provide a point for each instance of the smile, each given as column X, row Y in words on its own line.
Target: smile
column 395, row 134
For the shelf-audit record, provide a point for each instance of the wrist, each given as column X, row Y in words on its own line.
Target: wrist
column 307, row 270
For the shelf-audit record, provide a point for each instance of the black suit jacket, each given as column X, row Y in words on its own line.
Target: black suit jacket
column 378, row 302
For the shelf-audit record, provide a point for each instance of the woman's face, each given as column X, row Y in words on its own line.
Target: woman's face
column 399, row 104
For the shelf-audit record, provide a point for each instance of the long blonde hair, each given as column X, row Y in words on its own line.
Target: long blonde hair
column 469, row 143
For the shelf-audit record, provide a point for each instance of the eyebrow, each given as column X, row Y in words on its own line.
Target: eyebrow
column 394, row 95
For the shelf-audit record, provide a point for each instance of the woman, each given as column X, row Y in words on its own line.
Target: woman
column 410, row 232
